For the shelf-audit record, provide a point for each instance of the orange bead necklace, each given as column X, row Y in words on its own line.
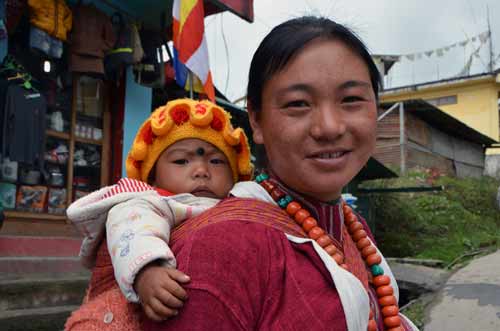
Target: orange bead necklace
column 381, row 282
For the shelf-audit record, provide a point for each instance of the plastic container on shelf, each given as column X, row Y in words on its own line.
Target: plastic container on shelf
column 8, row 170
column 56, row 179
column 8, row 195
column 57, row 201
column 31, row 198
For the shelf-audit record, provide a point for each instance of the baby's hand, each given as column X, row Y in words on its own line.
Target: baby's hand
column 160, row 291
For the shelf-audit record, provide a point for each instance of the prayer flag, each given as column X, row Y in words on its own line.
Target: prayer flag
column 190, row 46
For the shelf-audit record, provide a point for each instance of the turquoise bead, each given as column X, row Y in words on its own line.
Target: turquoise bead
column 377, row 270
column 262, row 177
column 283, row 203
column 288, row 199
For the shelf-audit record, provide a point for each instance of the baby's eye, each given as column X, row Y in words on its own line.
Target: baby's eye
column 180, row 161
column 217, row 161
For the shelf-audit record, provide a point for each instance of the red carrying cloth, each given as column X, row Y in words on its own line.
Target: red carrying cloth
column 104, row 307
column 104, row 298
column 246, row 275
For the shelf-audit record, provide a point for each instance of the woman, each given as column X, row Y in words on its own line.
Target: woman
column 300, row 264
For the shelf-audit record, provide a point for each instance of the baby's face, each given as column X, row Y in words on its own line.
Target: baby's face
column 194, row 166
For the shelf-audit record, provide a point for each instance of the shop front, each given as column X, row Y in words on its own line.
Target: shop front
column 76, row 81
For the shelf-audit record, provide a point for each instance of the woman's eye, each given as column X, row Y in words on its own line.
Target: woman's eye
column 352, row 98
column 296, row 104
column 217, row 161
column 180, row 161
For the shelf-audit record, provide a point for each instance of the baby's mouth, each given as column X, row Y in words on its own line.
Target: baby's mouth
column 203, row 192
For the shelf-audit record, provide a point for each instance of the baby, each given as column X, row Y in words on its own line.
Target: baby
column 190, row 157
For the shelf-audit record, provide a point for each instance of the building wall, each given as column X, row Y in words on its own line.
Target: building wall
column 388, row 145
column 428, row 147
column 477, row 102
column 137, row 110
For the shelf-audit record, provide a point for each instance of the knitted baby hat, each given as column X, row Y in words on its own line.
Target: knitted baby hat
column 183, row 119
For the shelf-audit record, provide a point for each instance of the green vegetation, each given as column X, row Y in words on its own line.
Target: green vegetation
column 436, row 225
column 416, row 313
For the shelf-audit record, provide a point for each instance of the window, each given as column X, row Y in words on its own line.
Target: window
column 443, row 101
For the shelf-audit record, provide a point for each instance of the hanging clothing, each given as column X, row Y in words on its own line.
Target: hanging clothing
column 4, row 86
column 42, row 41
column 4, row 42
column 122, row 53
column 52, row 16
column 87, row 54
column 14, row 10
column 23, row 132
column 3, row 32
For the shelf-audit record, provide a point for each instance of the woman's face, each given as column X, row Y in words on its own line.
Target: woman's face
column 318, row 119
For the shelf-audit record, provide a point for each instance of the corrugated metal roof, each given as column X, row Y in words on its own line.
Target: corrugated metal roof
column 440, row 120
column 435, row 83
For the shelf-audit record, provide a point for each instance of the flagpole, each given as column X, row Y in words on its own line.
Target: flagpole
column 190, row 77
column 490, row 67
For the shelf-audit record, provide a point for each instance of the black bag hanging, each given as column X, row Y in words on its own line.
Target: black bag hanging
column 151, row 71
column 122, row 54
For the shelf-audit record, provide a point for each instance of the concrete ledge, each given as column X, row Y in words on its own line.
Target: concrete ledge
column 30, row 265
column 418, row 277
column 40, row 319
column 39, row 246
column 41, row 292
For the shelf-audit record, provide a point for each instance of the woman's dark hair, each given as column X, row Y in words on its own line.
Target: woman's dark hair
column 287, row 39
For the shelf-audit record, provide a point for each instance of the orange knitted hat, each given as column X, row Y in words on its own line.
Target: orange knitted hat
column 183, row 119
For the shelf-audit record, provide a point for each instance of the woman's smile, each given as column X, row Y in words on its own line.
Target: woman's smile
column 329, row 160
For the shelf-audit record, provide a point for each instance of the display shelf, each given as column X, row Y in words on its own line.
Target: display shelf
column 57, row 134
column 29, row 215
column 88, row 141
column 82, row 116
column 63, row 165
column 98, row 176
column 87, row 167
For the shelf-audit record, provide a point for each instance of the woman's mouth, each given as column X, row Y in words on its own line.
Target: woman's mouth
column 330, row 160
column 333, row 155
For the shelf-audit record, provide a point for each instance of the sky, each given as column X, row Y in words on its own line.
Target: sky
column 395, row 27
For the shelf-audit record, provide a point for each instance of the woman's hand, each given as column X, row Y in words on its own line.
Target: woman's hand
column 160, row 291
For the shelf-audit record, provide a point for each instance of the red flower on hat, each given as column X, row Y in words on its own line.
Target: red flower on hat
column 137, row 164
column 200, row 109
column 216, row 124
column 161, row 116
column 147, row 134
column 179, row 116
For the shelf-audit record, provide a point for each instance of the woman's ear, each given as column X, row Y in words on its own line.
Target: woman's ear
column 253, row 117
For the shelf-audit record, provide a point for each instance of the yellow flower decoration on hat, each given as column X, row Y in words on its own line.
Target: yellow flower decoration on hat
column 183, row 119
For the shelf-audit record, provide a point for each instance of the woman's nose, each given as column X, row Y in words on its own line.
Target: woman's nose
column 328, row 123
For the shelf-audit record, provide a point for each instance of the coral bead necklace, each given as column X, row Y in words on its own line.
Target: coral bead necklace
column 381, row 282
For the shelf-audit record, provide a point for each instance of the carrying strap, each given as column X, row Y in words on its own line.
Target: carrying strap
column 238, row 209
